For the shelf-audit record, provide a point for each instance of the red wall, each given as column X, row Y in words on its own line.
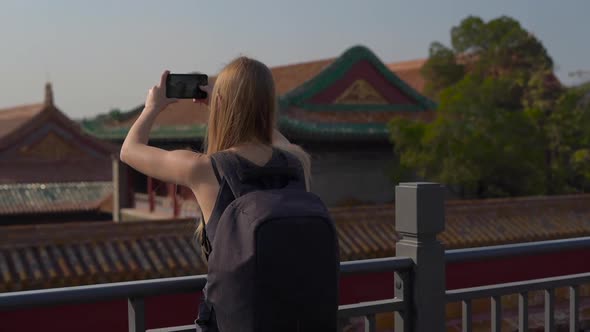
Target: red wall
column 171, row 310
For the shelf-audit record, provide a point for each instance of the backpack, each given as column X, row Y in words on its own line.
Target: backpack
column 274, row 262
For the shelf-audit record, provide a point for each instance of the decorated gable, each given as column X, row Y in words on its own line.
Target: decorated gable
column 52, row 146
column 39, row 144
column 360, row 92
column 358, row 78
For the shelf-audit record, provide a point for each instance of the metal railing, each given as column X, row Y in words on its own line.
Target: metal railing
column 495, row 292
column 419, row 278
column 136, row 291
column 507, row 250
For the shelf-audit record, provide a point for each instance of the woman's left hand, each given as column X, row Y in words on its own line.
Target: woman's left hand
column 156, row 100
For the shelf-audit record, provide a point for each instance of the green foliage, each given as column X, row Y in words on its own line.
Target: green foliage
column 116, row 115
column 499, row 47
column 505, row 125
column 441, row 69
column 473, row 142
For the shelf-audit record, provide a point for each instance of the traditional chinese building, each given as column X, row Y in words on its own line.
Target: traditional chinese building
column 337, row 109
column 50, row 170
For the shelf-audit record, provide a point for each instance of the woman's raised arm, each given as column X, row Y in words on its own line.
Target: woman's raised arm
column 179, row 166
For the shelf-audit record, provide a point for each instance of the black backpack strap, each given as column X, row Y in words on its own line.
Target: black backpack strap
column 206, row 246
column 214, row 166
column 242, row 179
column 298, row 180
column 226, row 167
column 203, row 239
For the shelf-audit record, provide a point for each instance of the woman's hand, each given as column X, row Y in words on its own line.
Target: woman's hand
column 208, row 89
column 156, row 100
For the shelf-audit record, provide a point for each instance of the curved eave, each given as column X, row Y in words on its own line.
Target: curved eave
column 162, row 133
column 291, row 127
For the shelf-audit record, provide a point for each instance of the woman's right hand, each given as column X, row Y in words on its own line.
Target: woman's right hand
column 208, row 89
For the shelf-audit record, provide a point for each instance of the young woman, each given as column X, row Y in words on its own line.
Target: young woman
column 241, row 121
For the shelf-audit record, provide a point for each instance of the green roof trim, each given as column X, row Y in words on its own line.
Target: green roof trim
column 295, row 127
column 339, row 68
column 323, row 130
column 160, row 132
column 363, row 108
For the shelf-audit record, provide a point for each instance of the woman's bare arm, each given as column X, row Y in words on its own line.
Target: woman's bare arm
column 178, row 166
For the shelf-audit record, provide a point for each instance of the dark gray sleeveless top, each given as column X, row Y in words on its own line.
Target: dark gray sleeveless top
column 225, row 195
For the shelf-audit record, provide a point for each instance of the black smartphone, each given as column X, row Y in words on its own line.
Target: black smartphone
column 186, row 86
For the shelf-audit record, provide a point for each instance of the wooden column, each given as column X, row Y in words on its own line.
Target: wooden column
column 120, row 187
column 176, row 203
column 172, row 188
column 150, row 189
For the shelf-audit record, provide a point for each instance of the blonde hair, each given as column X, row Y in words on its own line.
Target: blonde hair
column 243, row 106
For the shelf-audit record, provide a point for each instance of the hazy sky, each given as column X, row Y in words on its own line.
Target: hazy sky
column 105, row 54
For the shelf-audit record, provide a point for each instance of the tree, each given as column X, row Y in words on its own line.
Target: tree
column 570, row 137
column 505, row 126
column 498, row 48
column 473, row 143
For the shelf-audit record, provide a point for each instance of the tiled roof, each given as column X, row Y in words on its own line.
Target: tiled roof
column 81, row 253
column 492, row 222
column 184, row 112
column 31, row 198
column 181, row 120
column 20, row 122
column 69, row 171
column 54, row 255
column 291, row 76
column 38, row 143
column 186, row 120
column 13, row 118
column 410, row 72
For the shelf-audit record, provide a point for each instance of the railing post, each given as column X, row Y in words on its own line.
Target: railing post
column 419, row 217
column 136, row 314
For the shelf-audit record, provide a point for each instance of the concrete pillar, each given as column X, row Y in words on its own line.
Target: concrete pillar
column 419, row 217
